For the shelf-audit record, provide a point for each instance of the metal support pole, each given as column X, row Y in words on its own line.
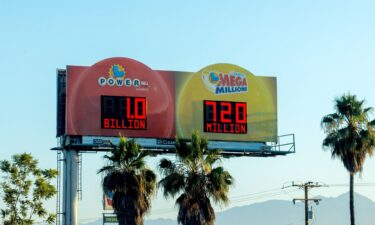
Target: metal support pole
column 306, row 205
column 64, row 188
column 70, row 187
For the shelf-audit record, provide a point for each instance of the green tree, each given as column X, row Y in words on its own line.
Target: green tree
column 350, row 137
column 194, row 178
column 24, row 188
column 130, row 181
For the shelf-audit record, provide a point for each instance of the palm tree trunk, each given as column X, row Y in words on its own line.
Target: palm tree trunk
column 121, row 218
column 351, row 201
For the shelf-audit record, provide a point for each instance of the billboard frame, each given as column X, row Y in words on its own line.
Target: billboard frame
column 284, row 146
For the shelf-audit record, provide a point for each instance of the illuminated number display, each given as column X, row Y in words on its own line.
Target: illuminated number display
column 121, row 112
column 225, row 117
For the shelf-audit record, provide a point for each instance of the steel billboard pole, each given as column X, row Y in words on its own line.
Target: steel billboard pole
column 65, row 185
column 70, row 188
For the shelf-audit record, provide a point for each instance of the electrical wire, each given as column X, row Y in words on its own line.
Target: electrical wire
column 355, row 184
column 242, row 198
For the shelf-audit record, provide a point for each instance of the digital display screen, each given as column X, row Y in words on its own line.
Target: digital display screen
column 123, row 112
column 225, row 117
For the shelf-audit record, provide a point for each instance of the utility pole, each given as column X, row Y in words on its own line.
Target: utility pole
column 306, row 186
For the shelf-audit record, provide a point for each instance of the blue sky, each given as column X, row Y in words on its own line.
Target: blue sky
column 318, row 50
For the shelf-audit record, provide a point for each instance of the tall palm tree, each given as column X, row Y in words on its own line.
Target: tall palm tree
column 194, row 178
column 130, row 181
column 350, row 137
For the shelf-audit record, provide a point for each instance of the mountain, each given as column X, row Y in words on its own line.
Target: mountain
column 275, row 212
column 336, row 210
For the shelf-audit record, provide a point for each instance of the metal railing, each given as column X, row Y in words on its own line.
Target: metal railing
column 285, row 144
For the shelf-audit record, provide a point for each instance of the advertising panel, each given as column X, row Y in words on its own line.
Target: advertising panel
column 107, row 201
column 120, row 96
column 226, row 102
column 92, row 107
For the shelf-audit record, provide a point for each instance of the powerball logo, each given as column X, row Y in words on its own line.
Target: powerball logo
column 117, row 71
column 117, row 77
column 221, row 83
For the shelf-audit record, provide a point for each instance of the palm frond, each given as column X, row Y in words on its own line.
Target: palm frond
column 368, row 110
column 106, row 169
column 183, row 150
column 166, row 166
column 372, row 123
column 330, row 122
column 150, row 181
column 196, row 143
column 213, row 156
column 218, row 185
column 132, row 149
column 172, row 184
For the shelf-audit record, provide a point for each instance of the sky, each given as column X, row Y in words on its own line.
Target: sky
column 318, row 50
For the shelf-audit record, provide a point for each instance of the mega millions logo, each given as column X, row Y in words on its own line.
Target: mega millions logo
column 117, row 77
column 225, row 83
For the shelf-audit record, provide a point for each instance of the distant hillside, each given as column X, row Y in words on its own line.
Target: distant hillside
column 279, row 212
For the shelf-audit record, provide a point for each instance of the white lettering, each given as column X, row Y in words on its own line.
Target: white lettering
column 119, row 82
column 102, row 81
column 128, row 82
column 136, row 83
column 111, row 81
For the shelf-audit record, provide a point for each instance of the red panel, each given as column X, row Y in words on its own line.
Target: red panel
column 85, row 86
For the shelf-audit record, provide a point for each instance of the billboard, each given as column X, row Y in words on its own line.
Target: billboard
column 123, row 96
column 107, row 201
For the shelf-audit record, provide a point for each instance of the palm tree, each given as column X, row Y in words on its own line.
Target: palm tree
column 130, row 181
column 193, row 176
column 350, row 137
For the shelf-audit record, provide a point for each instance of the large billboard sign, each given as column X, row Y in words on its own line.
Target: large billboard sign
column 121, row 96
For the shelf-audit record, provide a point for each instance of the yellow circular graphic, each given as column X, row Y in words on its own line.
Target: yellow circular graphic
column 227, row 82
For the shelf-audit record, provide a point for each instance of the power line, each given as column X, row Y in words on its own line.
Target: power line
column 256, row 193
column 357, row 185
column 242, row 198
column 281, row 192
